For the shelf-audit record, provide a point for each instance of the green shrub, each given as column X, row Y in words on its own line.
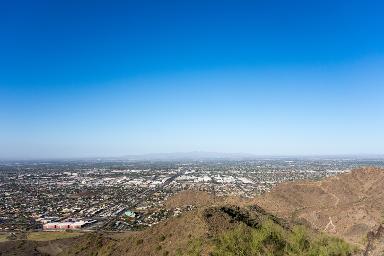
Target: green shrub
column 194, row 247
column 273, row 240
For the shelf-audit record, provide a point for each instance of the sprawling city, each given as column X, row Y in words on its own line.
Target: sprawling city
column 118, row 195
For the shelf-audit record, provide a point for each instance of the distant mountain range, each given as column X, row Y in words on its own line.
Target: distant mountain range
column 199, row 156
column 202, row 155
column 195, row 155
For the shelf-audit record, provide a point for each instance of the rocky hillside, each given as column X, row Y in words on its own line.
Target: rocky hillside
column 348, row 205
column 216, row 230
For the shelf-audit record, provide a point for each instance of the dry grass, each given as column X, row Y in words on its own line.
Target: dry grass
column 47, row 236
column 3, row 237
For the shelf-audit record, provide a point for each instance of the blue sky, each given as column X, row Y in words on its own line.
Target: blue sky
column 107, row 78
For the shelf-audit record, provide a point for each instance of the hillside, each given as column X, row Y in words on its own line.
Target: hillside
column 348, row 205
column 218, row 230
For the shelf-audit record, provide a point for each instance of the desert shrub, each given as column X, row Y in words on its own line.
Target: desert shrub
column 268, row 240
column 324, row 245
column 194, row 247
column 273, row 240
column 235, row 242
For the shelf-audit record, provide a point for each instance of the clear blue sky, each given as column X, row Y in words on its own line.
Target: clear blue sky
column 107, row 78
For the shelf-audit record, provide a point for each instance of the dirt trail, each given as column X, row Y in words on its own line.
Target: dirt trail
column 337, row 199
column 330, row 224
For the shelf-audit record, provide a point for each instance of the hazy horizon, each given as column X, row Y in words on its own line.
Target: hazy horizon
column 196, row 155
column 109, row 79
